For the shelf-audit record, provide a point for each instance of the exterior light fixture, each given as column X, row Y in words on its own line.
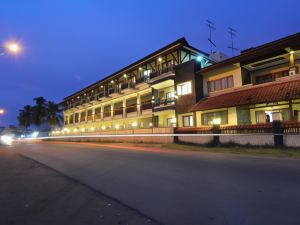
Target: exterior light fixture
column 292, row 52
column 13, row 47
column 159, row 59
column 150, row 124
column 2, row 111
column 134, row 124
column 112, row 82
column 140, row 68
column 216, row 121
column 125, row 75
column 75, row 130
column 103, row 127
column 117, row 126
column 173, row 120
column 199, row 58
column 82, row 129
column 92, row 128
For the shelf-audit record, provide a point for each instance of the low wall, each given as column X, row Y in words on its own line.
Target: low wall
column 292, row 140
column 129, row 139
column 199, row 140
column 249, row 139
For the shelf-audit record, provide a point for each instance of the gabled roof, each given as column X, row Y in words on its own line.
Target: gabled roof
column 281, row 90
column 292, row 41
column 180, row 42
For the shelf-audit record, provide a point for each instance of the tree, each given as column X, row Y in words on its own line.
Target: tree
column 39, row 111
column 54, row 116
column 24, row 117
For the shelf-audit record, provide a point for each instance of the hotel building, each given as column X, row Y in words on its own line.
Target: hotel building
column 180, row 86
column 151, row 92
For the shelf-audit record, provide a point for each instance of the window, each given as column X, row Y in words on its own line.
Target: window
column 187, row 121
column 260, row 116
column 185, row 88
column 211, row 118
column 220, row 84
column 285, row 113
column 147, row 75
column 170, row 95
column 171, row 122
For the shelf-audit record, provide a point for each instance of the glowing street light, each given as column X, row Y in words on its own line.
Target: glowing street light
column 2, row 111
column 12, row 47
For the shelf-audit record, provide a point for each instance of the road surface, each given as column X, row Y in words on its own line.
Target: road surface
column 182, row 188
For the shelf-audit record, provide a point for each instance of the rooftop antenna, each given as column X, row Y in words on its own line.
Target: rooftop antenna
column 232, row 32
column 211, row 26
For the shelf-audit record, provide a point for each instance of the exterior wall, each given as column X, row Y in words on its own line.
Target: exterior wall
column 220, row 73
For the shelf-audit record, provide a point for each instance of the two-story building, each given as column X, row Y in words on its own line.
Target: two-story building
column 148, row 93
column 258, row 86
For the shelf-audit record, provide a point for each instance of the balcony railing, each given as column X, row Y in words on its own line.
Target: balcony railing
column 146, row 105
column 97, row 116
column 118, row 111
column 107, row 114
column 161, row 71
column 141, row 80
column 127, row 85
column 163, row 102
column 131, row 109
column 111, row 90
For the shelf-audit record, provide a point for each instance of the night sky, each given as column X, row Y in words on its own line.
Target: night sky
column 71, row 44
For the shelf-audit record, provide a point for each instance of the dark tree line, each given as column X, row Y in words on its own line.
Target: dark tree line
column 43, row 112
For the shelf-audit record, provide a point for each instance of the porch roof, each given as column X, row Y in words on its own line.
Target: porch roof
column 282, row 90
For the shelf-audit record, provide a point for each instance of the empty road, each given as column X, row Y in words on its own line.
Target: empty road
column 182, row 188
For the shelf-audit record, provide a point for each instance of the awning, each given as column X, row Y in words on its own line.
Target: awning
column 285, row 89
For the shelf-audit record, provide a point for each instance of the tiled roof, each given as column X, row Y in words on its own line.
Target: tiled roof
column 265, row 93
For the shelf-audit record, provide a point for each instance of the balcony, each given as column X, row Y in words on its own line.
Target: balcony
column 164, row 104
column 127, row 87
column 107, row 115
column 141, row 81
column 162, row 74
column 146, row 107
column 97, row 116
column 118, row 113
column 131, row 110
column 114, row 92
column 89, row 118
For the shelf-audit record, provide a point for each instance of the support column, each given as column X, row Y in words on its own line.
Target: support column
column 293, row 68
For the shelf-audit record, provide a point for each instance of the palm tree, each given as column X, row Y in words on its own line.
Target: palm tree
column 25, row 116
column 39, row 111
column 54, row 116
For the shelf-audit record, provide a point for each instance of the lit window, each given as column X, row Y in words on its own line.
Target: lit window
column 187, row 121
column 220, row 84
column 170, row 95
column 212, row 118
column 185, row 88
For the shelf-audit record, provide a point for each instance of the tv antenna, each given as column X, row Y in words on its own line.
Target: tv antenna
column 211, row 26
column 232, row 32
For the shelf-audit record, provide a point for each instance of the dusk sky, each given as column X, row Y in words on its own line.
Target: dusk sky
column 71, row 44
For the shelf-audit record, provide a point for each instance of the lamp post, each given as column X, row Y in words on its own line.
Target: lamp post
column 1, row 111
column 11, row 47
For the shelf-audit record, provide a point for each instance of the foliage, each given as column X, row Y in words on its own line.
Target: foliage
column 44, row 112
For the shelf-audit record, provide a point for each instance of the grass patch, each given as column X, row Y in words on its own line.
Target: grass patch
column 236, row 149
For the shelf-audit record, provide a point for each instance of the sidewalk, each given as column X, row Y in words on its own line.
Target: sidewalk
column 31, row 193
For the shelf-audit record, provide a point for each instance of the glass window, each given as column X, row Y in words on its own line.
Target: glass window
column 285, row 113
column 185, row 88
column 220, row 84
column 211, row 118
column 260, row 116
column 170, row 95
column 187, row 121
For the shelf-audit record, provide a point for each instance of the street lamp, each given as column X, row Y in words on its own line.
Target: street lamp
column 12, row 47
column 2, row 111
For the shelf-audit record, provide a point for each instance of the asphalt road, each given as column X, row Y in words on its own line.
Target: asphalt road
column 183, row 188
